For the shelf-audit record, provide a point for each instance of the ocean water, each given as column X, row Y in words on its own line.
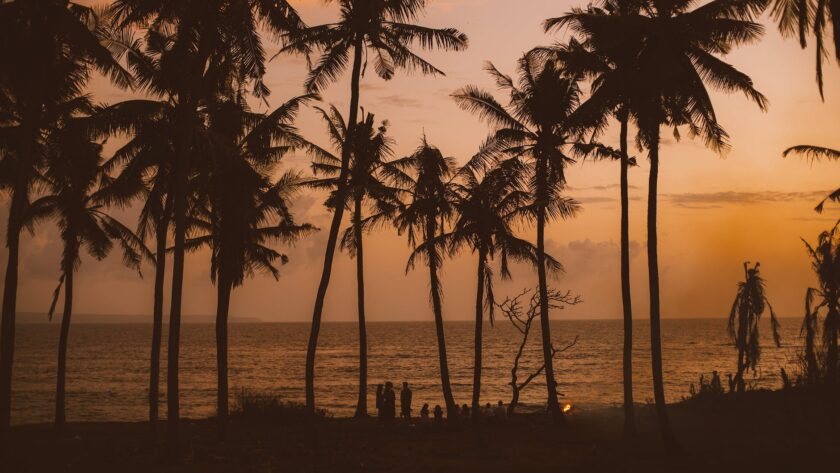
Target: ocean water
column 108, row 364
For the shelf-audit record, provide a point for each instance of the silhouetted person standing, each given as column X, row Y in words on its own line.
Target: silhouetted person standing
column 438, row 414
column 405, row 402
column 389, row 403
column 379, row 389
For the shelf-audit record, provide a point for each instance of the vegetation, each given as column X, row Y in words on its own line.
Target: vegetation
column 204, row 168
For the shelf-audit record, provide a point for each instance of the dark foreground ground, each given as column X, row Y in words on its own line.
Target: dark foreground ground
column 785, row 431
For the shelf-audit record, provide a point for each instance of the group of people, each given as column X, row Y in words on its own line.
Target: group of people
column 386, row 406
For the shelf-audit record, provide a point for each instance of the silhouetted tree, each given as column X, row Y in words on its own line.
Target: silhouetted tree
column 522, row 319
column 535, row 127
column 488, row 204
column 825, row 260
column 367, row 187
column 75, row 183
column 383, row 30
column 744, row 318
column 427, row 180
column 47, row 50
column 816, row 153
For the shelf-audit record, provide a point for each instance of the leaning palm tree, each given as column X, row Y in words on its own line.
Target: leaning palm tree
column 74, row 181
column 678, row 57
column 194, row 50
column 368, row 187
column 825, row 260
column 382, row 29
column 489, row 203
column 536, row 128
column 744, row 317
column 427, row 178
column 801, row 18
column 604, row 52
column 47, row 50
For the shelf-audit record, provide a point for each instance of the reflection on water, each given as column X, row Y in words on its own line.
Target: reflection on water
column 108, row 364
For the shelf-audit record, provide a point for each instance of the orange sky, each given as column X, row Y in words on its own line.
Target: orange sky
column 716, row 211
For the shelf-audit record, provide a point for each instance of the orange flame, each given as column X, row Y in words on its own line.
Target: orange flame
column 567, row 408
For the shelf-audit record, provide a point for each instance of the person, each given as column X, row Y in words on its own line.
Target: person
column 500, row 412
column 379, row 389
column 405, row 402
column 424, row 414
column 717, row 387
column 465, row 412
column 438, row 414
column 487, row 411
column 389, row 403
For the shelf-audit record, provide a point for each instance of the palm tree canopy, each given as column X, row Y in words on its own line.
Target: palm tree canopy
column 817, row 153
column 744, row 317
column 383, row 28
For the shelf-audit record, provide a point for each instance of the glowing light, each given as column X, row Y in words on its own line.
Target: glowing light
column 567, row 408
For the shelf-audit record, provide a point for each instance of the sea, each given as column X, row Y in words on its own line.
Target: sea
column 108, row 364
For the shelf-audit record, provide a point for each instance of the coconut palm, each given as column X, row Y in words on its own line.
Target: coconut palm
column 73, row 182
column 367, row 187
column 535, row 127
column 489, row 203
column 605, row 53
column 383, row 30
column 744, row 317
column 47, row 50
column 240, row 211
column 816, row 153
column 802, row 18
column 677, row 59
column 825, row 260
column 428, row 175
column 194, row 50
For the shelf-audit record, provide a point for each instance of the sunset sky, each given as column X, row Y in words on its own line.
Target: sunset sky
column 716, row 212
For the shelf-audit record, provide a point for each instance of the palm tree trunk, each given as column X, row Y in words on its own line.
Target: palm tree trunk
column 448, row 398
column 161, row 230
column 179, row 191
column 832, row 320
column 629, row 415
column 335, row 226
column 548, row 358
column 668, row 439
column 361, row 405
column 7, row 325
column 479, row 321
column 61, row 379
column 222, row 309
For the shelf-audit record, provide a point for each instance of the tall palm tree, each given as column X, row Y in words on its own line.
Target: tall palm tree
column 47, row 50
column 489, row 203
column 74, row 181
column 816, row 153
column 744, row 317
column 240, row 211
column 427, row 179
column 367, row 187
column 536, row 128
column 605, row 54
column 383, row 30
column 801, row 18
column 825, row 260
column 197, row 48
column 677, row 59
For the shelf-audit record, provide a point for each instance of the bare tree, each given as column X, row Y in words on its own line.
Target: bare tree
column 522, row 318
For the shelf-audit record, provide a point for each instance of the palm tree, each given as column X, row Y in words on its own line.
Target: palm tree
column 382, row 29
column 816, row 153
column 605, row 54
column 677, row 58
column 47, row 50
column 367, row 186
column 744, row 317
column 825, row 260
column 197, row 48
column 534, row 126
column 489, row 203
column 241, row 211
column 74, row 180
column 801, row 18
column 428, row 175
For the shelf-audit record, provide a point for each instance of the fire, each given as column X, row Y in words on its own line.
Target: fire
column 566, row 408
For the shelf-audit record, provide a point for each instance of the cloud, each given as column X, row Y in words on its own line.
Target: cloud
column 399, row 101
column 705, row 200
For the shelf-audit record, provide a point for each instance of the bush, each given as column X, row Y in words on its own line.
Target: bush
column 265, row 406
